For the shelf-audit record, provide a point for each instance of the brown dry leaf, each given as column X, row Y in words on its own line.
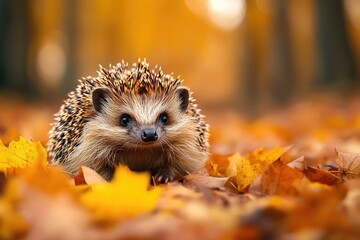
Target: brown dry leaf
column 88, row 176
column 208, row 181
column 278, row 179
column 313, row 174
column 349, row 164
column 321, row 176
column 298, row 164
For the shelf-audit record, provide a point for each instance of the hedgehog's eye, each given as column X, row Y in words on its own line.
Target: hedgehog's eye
column 164, row 118
column 125, row 120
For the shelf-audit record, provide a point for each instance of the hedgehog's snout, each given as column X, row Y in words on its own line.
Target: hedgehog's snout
column 149, row 135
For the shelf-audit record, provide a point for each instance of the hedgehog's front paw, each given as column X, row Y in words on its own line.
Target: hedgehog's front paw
column 164, row 175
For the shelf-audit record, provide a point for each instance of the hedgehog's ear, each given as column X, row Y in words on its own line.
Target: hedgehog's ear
column 99, row 96
column 183, row 95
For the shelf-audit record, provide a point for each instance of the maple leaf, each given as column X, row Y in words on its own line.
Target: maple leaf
column 125, row 196
column 278, row 179
column 21, row 154
column 254, row 164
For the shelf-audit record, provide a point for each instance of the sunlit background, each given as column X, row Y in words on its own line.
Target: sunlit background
column 248, row 56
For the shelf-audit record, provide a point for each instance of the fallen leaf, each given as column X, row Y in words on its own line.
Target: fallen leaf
column 278, row 179
column 254, row 164
column 349, row 164
column 126, row 196
column 298, row 164
column 246, row 173
column 267, row 156
column 321, row 176
column 217, row 165
column 208, row 181
column 88, row 176
column 21, row 154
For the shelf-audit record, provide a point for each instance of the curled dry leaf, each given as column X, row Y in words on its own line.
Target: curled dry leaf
column 88, row 176
column 313, row 174
column 298, row 164
column 208, row 181
column 349, row 164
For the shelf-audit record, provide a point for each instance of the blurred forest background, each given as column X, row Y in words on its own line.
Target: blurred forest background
column 248, row 55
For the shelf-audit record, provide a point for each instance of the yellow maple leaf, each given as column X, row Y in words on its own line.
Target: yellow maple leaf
column 254, row 164
column 21, row 154
column 126, row 196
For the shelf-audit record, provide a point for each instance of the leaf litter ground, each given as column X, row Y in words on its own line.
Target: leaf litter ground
column 289, row 174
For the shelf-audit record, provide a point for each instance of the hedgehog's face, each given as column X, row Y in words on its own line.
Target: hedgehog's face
column 143, row 120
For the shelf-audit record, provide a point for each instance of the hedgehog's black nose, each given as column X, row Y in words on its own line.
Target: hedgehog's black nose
column 149, row 135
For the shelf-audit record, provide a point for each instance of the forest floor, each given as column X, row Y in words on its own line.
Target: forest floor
column 293, row 173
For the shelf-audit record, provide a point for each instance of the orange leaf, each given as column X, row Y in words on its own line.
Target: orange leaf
column 278, row 179
column 217, row 165
column 252, row 165
column 321, row 176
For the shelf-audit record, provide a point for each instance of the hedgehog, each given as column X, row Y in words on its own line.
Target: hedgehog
column 134, row 116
